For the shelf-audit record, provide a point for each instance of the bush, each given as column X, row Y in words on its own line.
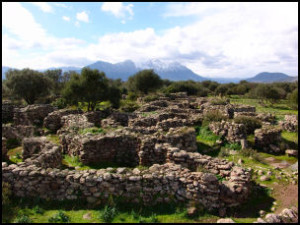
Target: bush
column 150, row 98
column 22, row 219
column 213, row 116
column 250, row 123
column 38, row 210
column 12, row 143
column 60, row 103
column 60, row 217
column 220, row 101
column 128, row 106
column 132, row 96
column 108, row 214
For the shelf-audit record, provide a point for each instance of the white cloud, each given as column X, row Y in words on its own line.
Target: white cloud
column 44, row 6
column 83, row 16
column 225, row 41
column 118, row 9
column 66, row 18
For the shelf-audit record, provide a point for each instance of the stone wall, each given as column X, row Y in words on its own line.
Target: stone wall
column 53, row 120
column 74, row 122
column 32, row 114
column 4, row 149
column 18, row 132
column 159, row 183
column 7, row 112
column 268, row 139
column 290, row 123
column 231, row 131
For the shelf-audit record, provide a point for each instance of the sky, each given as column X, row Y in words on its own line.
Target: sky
column 213, row 39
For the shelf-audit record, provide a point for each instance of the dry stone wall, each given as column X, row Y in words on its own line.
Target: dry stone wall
column 53, row 120
column 159, row 183
column 19, row 131
column 290, row 123
column 32, row 114
column 8, row 111
column 268, row 139
column 233, row 132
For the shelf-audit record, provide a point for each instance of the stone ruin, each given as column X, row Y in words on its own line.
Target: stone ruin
column 268, row 139
column 156, row 135
column 231, row 131
column 290, row 123
column 32, row 114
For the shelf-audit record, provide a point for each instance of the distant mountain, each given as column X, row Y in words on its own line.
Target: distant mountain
column 266, row 77
column 170, row 70
column 121, row 70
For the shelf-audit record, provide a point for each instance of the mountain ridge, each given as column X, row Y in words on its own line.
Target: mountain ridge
column 166, row 70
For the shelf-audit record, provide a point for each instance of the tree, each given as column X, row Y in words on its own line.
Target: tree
column 28, row 84
column 144, row 81
column 91, row 87
column 293, row 98
column 56, row 77
column 221, row 90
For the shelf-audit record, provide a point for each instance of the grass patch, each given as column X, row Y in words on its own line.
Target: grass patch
column 53, row 138
column 206, row 136
column 92, row 130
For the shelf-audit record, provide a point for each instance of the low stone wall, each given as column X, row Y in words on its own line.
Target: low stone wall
column 116, row 147
column 72, row 123
column 53, row 120
column 124, row 146
column 18, row 132
column 268, row 139
column 32, row 114
column 7, row 112
column 182, row 137
column 159, row 183
column 290, row 123
column 95, row 117
column 4, row 149
column 231, row 131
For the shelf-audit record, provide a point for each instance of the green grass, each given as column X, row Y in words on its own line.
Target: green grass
column 15, row 154
column 279, row 109
column 92, row 130
column 206, row 136
column 126, row 212
column 53, row 138
column 146, row 114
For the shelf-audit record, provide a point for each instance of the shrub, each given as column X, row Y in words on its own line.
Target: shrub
column 250, row 123
column 132, row 96
column 59, row 217
column 153, row 218
column 38, row 210
column 150, row 98
column 60, row 103
column 108, row 214
column 220, row 101
column 12, row 143
column 128, row 106
column 213, row 116
column 22, row 219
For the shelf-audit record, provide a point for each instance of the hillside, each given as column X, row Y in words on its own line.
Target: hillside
column 266, row 77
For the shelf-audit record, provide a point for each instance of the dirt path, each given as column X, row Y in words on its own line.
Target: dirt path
column 286, row 195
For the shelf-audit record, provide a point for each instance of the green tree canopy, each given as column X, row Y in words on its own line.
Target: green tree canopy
column 144, row 81
column 91, row 87
column 28, row 84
